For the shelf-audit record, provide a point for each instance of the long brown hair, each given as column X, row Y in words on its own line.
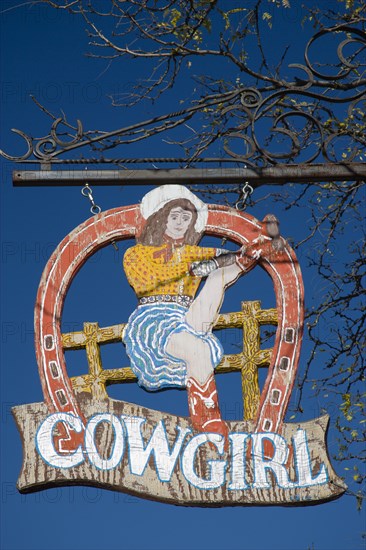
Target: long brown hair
column 154, row 230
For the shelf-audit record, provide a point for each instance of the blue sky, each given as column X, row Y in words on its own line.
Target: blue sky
column 42, row 54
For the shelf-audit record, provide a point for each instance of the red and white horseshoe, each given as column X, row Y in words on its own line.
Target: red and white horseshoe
column 125, row 222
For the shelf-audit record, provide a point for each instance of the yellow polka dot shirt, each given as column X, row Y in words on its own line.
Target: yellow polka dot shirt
column 153, row 270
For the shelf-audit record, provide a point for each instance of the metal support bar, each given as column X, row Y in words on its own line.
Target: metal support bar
column 279, row 174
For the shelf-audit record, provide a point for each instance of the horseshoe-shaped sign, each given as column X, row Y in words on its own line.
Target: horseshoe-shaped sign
column 66, row 442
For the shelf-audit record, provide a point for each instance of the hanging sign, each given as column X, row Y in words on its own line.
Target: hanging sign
column 78, row 435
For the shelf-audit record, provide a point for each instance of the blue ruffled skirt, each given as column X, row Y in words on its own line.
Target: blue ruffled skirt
column 146, row 336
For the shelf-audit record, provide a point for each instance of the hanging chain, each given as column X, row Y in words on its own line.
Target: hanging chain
column 241, row 203
column 246, row 192
column 95, row 208
column 87, row 192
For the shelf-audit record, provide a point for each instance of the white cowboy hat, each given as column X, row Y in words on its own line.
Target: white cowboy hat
column 157, row 198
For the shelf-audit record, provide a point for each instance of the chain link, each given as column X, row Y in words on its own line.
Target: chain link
column 87, row 192
column 246, row 192
column 95, row 208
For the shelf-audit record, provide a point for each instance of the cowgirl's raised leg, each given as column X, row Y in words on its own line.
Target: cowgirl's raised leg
column 204, row 310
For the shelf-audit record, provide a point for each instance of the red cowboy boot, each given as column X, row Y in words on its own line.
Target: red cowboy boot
column 204, row 408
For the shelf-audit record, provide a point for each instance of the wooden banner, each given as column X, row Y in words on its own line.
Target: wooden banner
column 155, row 455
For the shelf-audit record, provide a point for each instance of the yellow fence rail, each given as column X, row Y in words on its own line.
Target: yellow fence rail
column 248, row 361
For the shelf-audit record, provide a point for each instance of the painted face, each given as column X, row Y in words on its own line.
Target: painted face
column 178, row 222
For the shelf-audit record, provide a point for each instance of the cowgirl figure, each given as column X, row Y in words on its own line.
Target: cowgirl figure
column 169, row 336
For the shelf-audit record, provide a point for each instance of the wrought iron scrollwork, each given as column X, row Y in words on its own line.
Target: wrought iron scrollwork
column 301, row 113
column 314, row 116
